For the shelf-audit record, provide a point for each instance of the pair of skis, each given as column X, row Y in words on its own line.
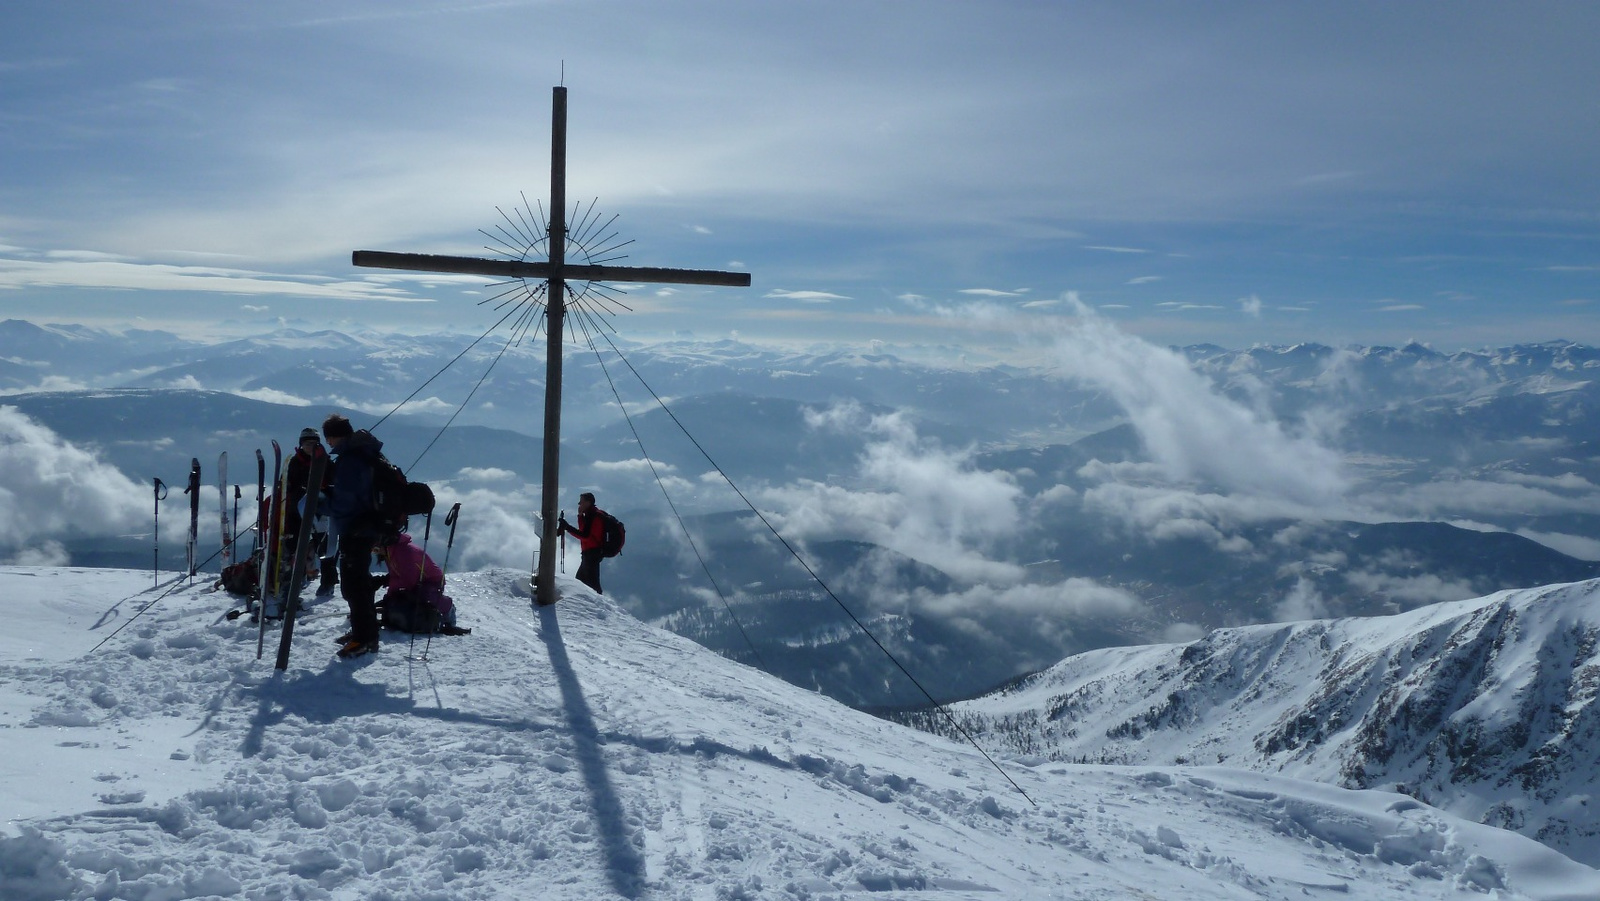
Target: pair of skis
column 193, row 490
column 269, row 540
column 302, row 550
column 272, row 584
column 227, row 521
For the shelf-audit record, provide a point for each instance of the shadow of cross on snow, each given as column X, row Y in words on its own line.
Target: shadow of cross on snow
column 624, row 864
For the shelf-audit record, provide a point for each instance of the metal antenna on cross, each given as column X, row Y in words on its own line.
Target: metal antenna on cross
column 555, row 272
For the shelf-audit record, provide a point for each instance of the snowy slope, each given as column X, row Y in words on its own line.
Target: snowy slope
column 573, row 752
column 1483, row 707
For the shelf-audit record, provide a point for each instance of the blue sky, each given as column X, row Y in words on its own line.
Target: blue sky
column 1230, row 173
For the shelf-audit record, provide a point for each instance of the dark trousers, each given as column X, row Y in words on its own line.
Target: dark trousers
column 355, row 584
column 589, row 569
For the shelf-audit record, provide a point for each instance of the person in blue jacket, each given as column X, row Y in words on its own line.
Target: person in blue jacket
column 358, row 526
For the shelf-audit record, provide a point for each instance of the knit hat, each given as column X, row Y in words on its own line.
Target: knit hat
column 310, row 434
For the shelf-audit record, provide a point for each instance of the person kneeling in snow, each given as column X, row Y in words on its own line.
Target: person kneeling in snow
column 415, row 600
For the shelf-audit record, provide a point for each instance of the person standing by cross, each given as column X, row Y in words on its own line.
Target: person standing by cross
column 591, row 533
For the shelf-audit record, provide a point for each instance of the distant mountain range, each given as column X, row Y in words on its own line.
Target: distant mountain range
column 1485, row 707
column 1463, row 474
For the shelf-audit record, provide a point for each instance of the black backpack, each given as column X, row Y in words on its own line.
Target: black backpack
column 393, row 498
column 616, row 535
column 408, row 611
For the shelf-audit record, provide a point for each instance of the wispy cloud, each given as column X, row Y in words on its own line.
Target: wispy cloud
column 1543, row 495
column 806, row 296
column 1303, row 602
column 1214, row 461
column 638, row 465
column 274, row 396
column 930, row 503
column 924, row 501
column 82, row 270
column 485, row 474
column 991, row 292
column 1114, row 249
column 87, row 256
column 1144, row 279
column 1412, row 590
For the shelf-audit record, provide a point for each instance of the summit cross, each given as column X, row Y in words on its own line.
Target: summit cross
column 555, row 272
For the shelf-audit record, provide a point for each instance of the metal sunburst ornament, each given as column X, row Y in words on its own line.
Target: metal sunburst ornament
column 524, row 235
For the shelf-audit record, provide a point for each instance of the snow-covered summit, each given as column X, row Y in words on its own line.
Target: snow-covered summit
column 574, row 752
column 1483, row 707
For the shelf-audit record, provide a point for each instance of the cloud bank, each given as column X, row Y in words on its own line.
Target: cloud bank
column 914, row 497
column 920, row 500
column 54, row 490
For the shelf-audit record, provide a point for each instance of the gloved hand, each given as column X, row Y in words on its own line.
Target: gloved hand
column 380, row 581
column 562, row 524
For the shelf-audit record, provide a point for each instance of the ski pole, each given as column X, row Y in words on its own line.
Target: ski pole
column 161, row 495
column 261, row 494
column 563, row 542
column 422, row 569
column 450, row 520
column 437, row 625
column 236, row 515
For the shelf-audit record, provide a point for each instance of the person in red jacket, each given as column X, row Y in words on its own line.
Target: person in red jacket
column 591, row 532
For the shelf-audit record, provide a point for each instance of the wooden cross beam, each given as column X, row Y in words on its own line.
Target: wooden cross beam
column 427, row 262
column 556, row 271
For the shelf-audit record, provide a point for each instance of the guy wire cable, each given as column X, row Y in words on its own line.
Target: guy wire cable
column 521, row 324
column 807, row 566
column 457, row 357
column 659, row 484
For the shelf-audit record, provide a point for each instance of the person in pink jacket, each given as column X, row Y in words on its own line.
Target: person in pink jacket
column 412, row 571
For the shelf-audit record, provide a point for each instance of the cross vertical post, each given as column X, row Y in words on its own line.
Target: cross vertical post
column 555, row 312
column 556, row 272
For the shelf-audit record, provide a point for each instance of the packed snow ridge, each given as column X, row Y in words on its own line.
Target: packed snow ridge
column 575, row 752
column 1485, row 708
